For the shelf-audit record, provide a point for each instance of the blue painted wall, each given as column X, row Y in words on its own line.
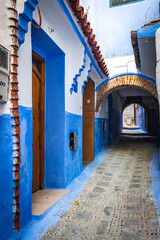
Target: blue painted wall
column 54, row 123
column 6, row 180
column 117, row 124
column 153, row 121
column 101, row 136
column 114, row 118
column 140, row 118
column 26, row 164
column 73, row 159
column 110, row 119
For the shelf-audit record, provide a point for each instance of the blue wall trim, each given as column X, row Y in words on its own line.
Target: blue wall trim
column 25, row 18
column 74, row 86
column 86, row 78
column 6, row 179
column 122, row 74
column 81, row 38
column 148, row 31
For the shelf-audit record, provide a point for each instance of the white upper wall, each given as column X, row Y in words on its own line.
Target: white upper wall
column 64, row 36
column 20, row 5
column 103, row 109
column 114, row 25
column 119, row 65
column 89, row 9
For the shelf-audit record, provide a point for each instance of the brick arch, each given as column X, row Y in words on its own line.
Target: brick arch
column 124, row 81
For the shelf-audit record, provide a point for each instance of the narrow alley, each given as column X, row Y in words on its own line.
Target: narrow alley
column 117, row 201
column 80, row 119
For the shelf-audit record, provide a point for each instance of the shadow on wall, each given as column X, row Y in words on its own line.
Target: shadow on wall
column 114, row 117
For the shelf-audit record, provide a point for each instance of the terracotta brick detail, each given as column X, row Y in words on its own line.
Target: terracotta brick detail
column 13, row 99
column 123, row 82
column 78, row 11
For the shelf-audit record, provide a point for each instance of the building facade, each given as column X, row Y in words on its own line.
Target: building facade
column 60, row 106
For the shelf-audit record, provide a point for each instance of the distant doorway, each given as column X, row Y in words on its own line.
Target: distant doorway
column 88, row 122
column 38, row 100
column 134, row 119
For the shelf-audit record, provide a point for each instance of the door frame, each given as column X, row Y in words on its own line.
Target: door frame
column 42, row 114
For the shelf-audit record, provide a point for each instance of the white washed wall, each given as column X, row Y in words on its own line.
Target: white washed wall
column 65, row 37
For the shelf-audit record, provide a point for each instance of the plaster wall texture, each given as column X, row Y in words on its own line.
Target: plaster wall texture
column 121, row 20
column 128, row 113
column 5, row 42
column 20, row 5
column 103, row 110
column 25, row 71
column 4, row 108
column 4, row 30
column 118, row 65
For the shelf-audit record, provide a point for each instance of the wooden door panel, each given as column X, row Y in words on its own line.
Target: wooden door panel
column 88, row 121
column 38, row 109
column 36, row 131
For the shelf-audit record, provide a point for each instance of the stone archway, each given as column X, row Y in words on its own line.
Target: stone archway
column 125, row 81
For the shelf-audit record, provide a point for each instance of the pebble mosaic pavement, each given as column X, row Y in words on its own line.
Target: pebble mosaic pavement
column 116, row 203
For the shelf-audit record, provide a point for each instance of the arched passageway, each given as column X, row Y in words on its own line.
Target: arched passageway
column 138, row 81
column 122, row 91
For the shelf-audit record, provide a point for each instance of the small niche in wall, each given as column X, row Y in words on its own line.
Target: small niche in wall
column 73, row 141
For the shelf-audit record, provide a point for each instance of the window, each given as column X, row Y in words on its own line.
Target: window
column 120, row 2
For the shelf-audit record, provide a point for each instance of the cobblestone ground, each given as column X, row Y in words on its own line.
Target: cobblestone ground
column 116, row 203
